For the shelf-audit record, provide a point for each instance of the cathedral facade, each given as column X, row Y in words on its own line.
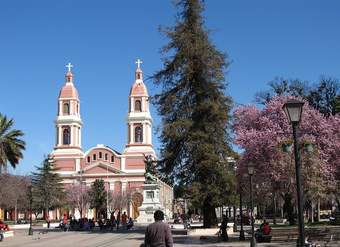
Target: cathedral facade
column 122, row 172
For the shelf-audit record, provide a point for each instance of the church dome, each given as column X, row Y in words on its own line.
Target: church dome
column 138, row 89
column 68, row 91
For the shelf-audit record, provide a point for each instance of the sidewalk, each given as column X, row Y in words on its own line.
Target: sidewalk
column 121, row 239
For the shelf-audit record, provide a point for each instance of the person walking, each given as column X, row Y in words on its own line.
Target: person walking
column 48, row 221
column 124, row 219
column 118, row 219
column 65, row 221
column 158, row 234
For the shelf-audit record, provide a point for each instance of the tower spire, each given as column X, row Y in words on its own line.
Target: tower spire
column 139, row 120
column 69, row 66
column 69, row 75
column 68, row 122
column 139, row 62
column 139, row 72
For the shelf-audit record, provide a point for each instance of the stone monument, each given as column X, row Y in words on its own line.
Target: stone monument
column 151, row 200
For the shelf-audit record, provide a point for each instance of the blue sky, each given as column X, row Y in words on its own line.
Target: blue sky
column 264, row 39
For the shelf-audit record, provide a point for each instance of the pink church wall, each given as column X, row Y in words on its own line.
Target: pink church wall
column 116, row 164
column 98, row 170
column 65, row 165
column 82, row 163
column 134, row 163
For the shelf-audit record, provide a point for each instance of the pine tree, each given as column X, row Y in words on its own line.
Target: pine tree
column 48, row 191
column 323, row 97
column 98, row 196
column 195, row 113
column 337, row 105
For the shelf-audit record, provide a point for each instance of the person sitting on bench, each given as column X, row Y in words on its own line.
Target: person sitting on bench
column 263, row 234
column 129, row 224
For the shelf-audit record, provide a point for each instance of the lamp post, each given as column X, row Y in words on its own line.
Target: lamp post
column 293, row 111
column 107, row 191
column 242, row 237
column 81, row 193
column 251, row 173
column 30, row 198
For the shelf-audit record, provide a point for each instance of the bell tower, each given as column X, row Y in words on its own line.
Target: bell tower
column 139, row 120
column 68, row 122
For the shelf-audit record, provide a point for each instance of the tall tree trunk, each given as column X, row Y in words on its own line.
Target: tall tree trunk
column 312, row 212
column 209, row 215
column 318, row 209
column 46, row 213
column 274, row 206
column 16, row 211
column 234, row 219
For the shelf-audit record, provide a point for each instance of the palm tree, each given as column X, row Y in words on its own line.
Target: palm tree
column 11, row 146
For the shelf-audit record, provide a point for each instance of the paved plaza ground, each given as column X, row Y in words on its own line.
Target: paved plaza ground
column 134, row 238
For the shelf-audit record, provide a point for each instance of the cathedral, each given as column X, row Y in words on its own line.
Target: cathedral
column 123, row 173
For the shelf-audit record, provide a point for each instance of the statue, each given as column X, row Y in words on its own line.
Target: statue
column 150, row 170
column 149, row 178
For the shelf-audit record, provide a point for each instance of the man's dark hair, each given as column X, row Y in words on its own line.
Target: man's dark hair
column 158, row 215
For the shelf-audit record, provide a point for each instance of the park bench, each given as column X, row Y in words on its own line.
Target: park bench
column 264, row 238
column 313, row 235
column 318, row 234
column 284, row 234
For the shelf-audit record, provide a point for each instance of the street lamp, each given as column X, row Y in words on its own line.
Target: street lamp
column 107, row 191
column 30, row 198
column 293, row 110
column 81, row 193
column 242, row 237
column 251, row 173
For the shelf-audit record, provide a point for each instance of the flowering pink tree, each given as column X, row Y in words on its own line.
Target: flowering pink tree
column 262, row 132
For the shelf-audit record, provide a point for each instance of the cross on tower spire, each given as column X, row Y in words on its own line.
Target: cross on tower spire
column 138, row 62
column 69, row 66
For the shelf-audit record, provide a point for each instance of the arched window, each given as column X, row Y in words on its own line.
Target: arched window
column 66, row 108
column 88, row 159
column 138, row 134
column 66, row 136
column 106, row 156
column 94, row 157
column 100, row 155
column 112, row 159
column 138, row 105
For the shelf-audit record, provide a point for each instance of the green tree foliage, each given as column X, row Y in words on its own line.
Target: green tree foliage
column 98, row 196
column 47, row 189
column 11, row 146
column 283, row 87
column 337, row 104
column 195, row 112
column 322, row 96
